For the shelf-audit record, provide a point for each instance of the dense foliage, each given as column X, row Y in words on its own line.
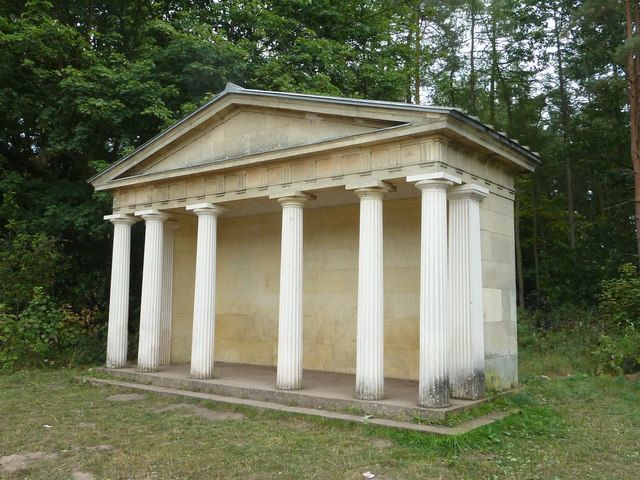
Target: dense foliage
column 86, row 81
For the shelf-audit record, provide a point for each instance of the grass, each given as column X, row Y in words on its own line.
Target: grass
column 570, row 425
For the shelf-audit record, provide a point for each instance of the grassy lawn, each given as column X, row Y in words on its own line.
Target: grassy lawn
column 575, row 426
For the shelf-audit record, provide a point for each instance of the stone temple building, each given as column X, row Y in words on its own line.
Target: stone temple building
column 327, row 234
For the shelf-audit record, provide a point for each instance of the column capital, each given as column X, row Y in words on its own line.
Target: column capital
column 371, row 192
column 206, row 209
column 121, row 218
column 434, row 180
column 293, row 197
column 152, row 214
column 470, row 191
column 369, row 183
column 371, row 189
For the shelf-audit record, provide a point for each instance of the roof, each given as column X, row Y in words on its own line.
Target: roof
column 232, row 89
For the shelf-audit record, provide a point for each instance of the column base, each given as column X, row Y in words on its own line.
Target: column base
column 116, row 364
column 147, row 369
column 201, row 376
column 435, row 395
column 289, row 385
column 369, row 396
column 471, row 388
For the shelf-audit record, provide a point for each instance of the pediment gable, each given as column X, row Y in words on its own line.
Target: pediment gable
column 250, row 131
column 240, row 126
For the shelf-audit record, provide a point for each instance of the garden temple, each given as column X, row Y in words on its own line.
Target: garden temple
column 404, row 269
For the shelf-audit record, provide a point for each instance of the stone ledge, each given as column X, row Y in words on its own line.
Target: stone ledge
column 322, row 391
column 462, row 428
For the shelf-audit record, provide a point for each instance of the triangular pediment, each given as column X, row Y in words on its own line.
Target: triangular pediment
column 250, row 131
column 243, row 126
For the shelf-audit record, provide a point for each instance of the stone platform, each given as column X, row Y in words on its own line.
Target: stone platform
column 321, row 390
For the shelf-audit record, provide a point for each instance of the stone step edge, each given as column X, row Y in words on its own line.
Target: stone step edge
column 459, row 429
column 291, row 398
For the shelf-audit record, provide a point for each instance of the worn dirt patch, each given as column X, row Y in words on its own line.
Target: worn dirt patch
column 301, row 425
column 382, row 443
column 202, row 412
column 78, row 475
column 100, row 448
column 126, row 397
column 20, row 461
column 217, row 415
column 55, row 386
column 173, row 407
column 478, row 457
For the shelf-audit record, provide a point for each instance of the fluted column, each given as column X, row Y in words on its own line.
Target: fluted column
column 151, row 299
column 167, row 293
column 204, row 301
column 465, row 292
column 117, row 333
column 434, row 371
column 370, row 318
column 289, row 370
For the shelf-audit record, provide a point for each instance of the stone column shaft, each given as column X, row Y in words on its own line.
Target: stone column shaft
column 151, row 299
column 117, row 334
column 204, row 301
column 465, row 292
column 289, row 369
column 370, row 318
column 434, row 371
column 167, row 293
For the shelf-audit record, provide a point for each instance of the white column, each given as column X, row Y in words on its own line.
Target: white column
column 465, row 292
column 117, row 334
column 151, row 299
column 289, row 370
column 434, row 372
column 370, row 319
column 167, row 293
column 204, row 301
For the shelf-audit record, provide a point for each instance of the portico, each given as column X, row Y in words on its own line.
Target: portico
column 326, row 234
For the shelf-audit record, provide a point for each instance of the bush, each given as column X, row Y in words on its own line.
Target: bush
column 557, row 341
column 27, row 261
column 619, row 302
column 618, row 353
column 618, row 347
column 44, row 333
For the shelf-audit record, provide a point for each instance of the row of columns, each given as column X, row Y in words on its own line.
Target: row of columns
column 451, row 318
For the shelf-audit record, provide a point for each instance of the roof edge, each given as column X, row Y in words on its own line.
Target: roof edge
column 231, row 88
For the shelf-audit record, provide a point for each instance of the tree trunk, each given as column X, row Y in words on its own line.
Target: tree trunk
column 417, row 80
column 536, row 258
column 564, row 124
column 494, row 69
column 519, row 271
column 632, row 23
column 472, row 65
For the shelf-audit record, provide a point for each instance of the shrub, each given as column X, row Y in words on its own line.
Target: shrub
column 26, row 261
column 618, row 347
column 619, row 302
column 618, row 353
column 45, row 333
column 9, row 355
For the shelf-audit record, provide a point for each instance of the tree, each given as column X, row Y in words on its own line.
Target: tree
column 632, row 16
